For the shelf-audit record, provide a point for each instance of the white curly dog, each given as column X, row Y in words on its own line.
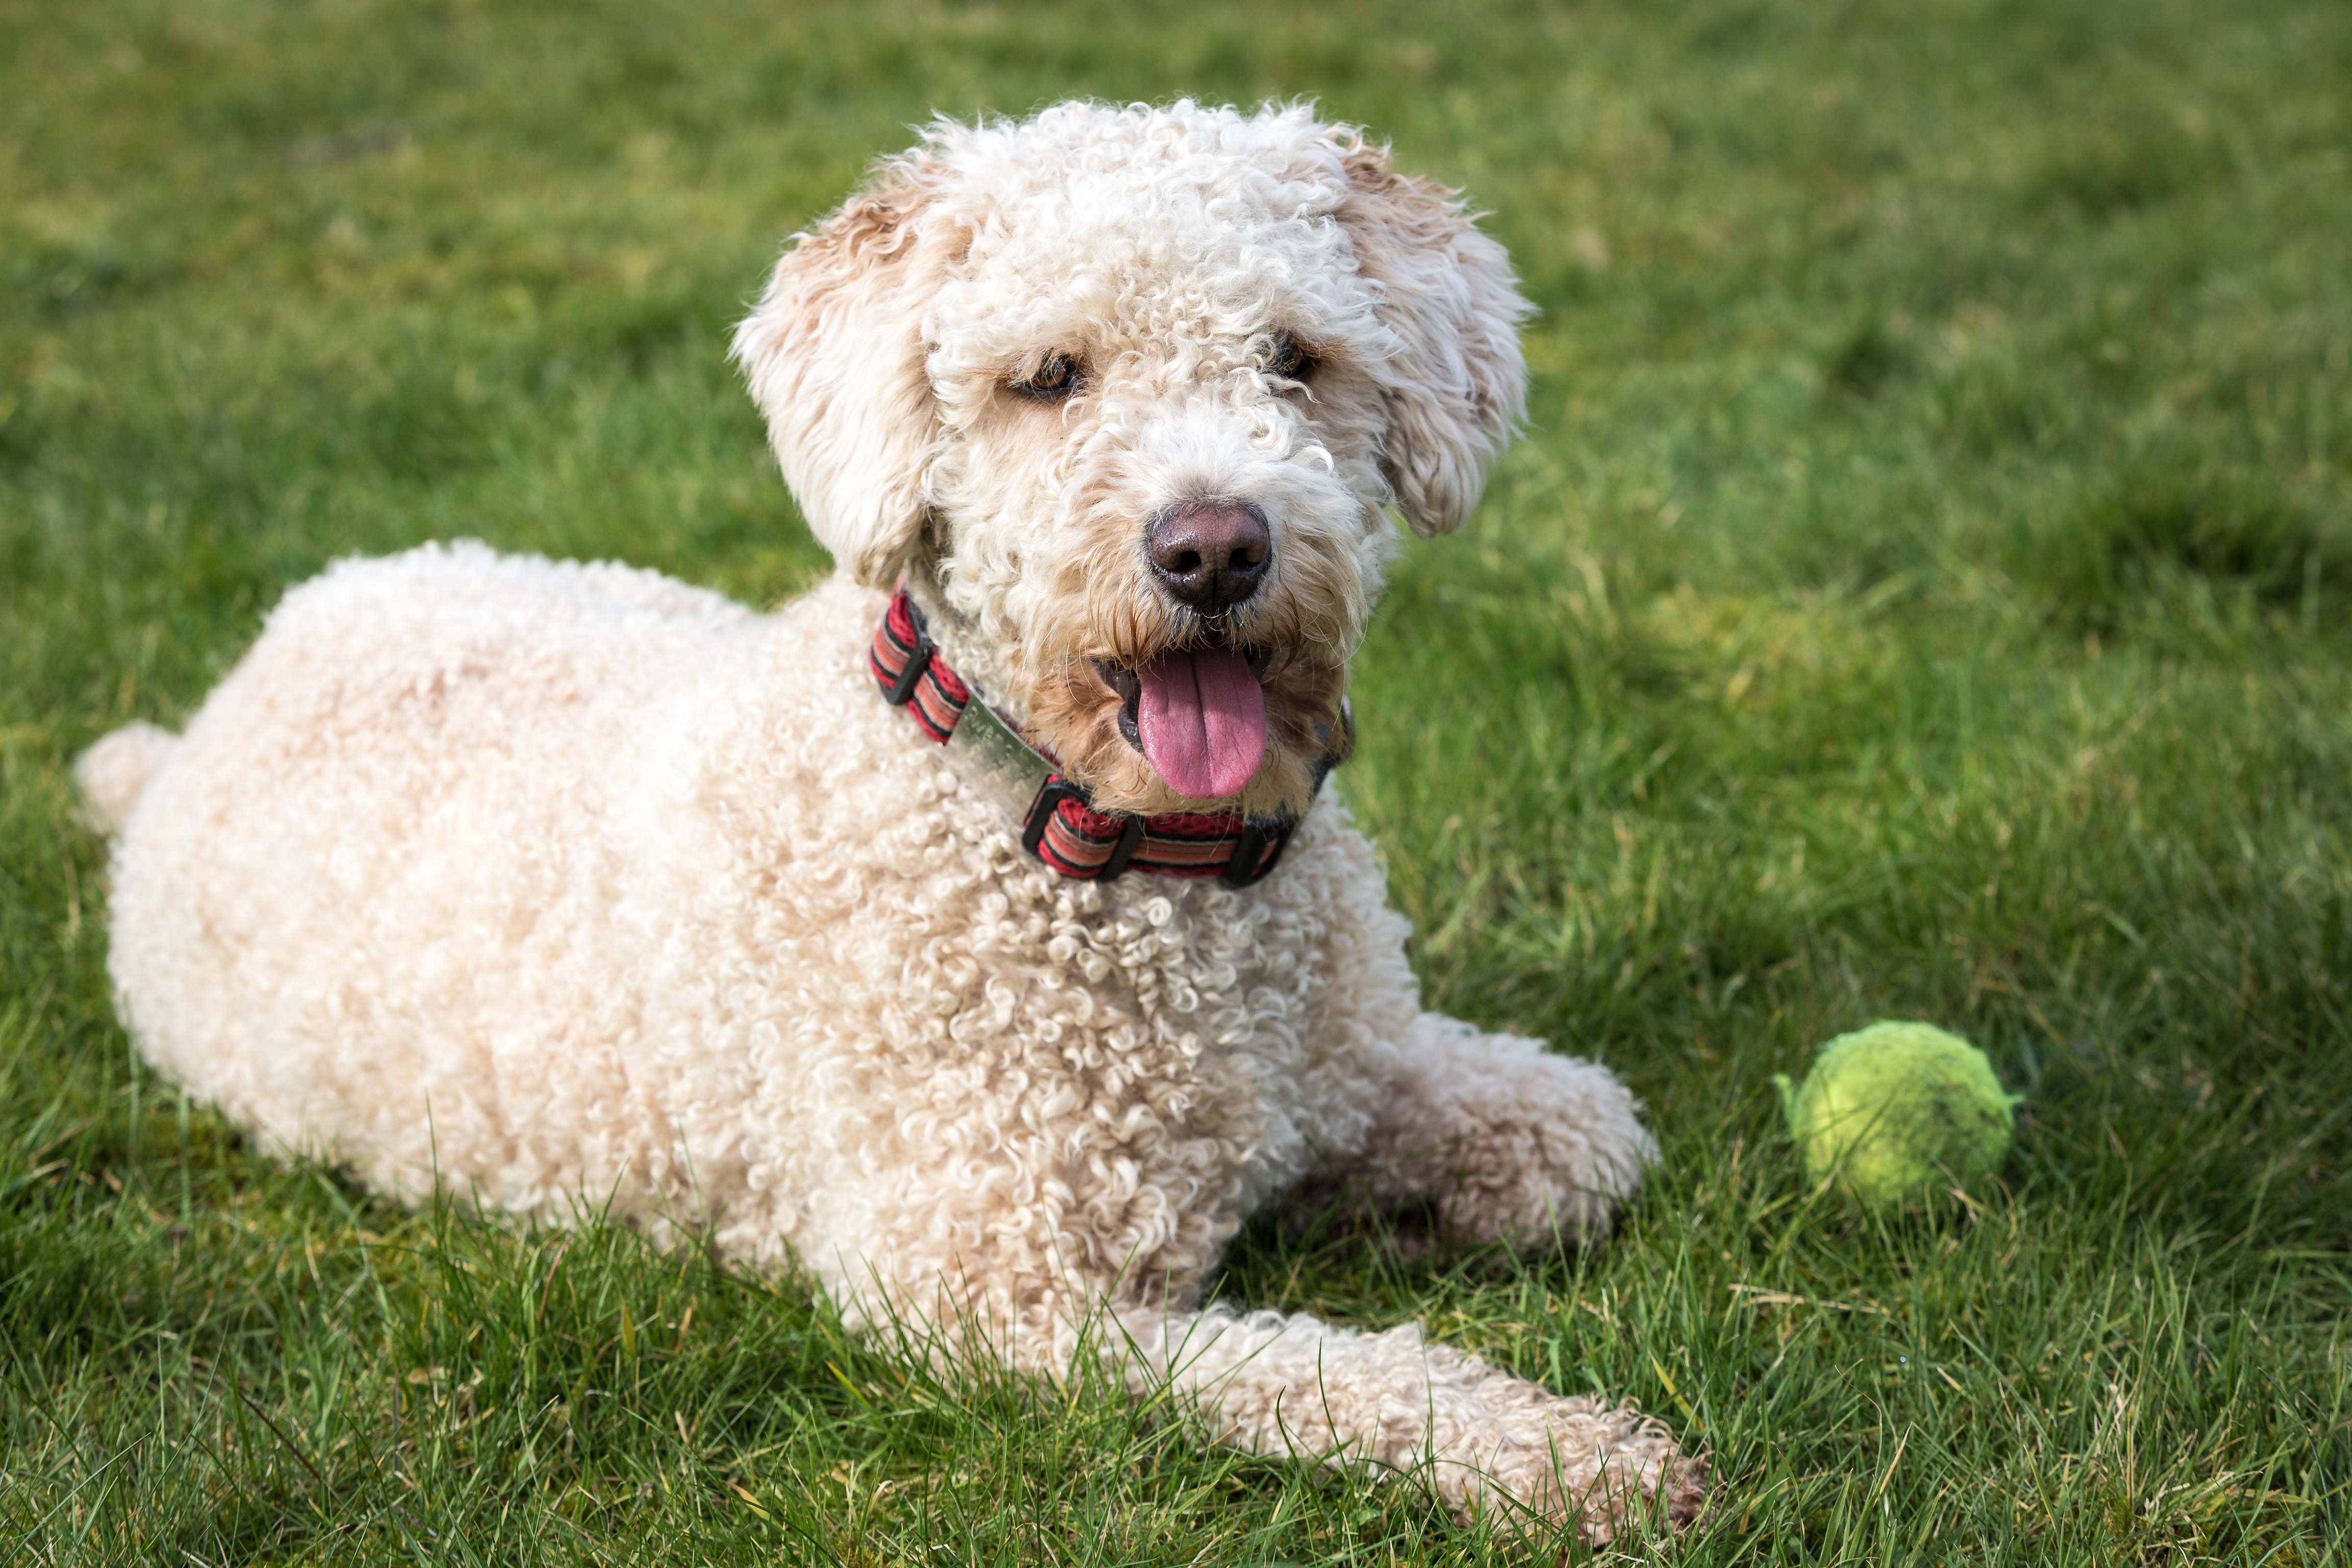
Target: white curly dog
column 991, row 946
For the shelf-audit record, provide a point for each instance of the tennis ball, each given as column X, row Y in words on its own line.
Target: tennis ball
column 1895, row 1112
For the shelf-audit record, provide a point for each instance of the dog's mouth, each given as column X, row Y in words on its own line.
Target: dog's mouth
column 1197, row 713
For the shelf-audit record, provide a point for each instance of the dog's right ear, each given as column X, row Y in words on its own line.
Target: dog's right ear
column 834, row 353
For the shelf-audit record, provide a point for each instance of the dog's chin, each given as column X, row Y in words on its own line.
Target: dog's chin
column 1087, row 718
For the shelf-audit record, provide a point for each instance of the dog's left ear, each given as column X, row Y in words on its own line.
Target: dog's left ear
column 1455, row 391
column 834, row 353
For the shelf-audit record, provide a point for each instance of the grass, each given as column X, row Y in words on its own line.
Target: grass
column 1924, row 590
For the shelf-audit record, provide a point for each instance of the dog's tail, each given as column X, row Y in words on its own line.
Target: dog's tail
column 114, row 772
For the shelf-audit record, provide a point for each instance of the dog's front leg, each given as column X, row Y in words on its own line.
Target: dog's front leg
column 1293, row 1385
column 1511, row 1141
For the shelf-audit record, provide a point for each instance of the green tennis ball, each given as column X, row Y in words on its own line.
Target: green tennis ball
column 1899, row 1111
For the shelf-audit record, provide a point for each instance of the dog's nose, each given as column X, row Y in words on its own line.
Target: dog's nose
column 1211, row 558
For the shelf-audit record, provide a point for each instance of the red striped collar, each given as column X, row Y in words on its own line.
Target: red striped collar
column 1061, row 827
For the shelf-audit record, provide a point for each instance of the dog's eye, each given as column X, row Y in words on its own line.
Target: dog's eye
column 1057, row 378
column 1289, row 360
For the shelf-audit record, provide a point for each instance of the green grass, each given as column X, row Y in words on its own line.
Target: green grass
column 1925, row 589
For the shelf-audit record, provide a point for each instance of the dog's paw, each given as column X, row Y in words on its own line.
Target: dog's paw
column 1537, row 1146
column 1609, row 1471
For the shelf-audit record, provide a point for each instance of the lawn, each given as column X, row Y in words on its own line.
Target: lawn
column 1923, row 589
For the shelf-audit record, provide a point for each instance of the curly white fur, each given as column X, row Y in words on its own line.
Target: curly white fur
column 561, row 884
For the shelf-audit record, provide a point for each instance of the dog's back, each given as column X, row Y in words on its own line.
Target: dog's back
column 363, row 831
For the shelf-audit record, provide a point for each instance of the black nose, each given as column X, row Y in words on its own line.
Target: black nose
column 1210, row 558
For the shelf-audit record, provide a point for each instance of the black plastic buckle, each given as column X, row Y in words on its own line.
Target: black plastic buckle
column 1245, row 869
column 917, row 662
column 1050, row 795
column 1131, row 834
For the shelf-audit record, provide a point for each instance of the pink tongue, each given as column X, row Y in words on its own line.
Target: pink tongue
column 1202, row 722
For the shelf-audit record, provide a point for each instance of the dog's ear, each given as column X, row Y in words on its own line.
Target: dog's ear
column 1454, row 391
column 834, row 353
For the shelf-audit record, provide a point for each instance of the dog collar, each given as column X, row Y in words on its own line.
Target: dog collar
column 1062, row 827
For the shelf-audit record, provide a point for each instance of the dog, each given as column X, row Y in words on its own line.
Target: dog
column 980, row 928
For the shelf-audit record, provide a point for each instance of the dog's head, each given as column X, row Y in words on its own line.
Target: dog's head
column 1126, row 396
